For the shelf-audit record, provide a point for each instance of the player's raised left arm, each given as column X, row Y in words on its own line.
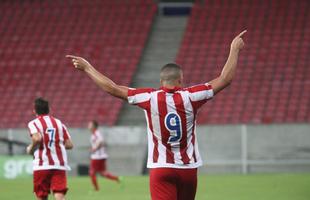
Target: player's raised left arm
column 230, row 66
column 101, row 80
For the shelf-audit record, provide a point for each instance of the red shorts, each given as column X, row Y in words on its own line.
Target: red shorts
column 46, row 180
column 173, row 184
column 97, row 166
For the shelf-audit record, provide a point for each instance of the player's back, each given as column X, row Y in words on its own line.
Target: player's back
column 96, row 138
column 171, row 115
column 51, row 153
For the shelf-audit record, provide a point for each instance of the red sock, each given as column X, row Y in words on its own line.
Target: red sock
column 110, row 176
column 94, row 181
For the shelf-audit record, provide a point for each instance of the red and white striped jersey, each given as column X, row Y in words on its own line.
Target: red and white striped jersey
column 51, row 153
column 171, row 121
column 100, row 153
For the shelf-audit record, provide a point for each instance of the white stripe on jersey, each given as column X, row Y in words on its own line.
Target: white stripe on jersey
column 198, row 96
column 150, row 139
column 156, row 130
column 139, row 98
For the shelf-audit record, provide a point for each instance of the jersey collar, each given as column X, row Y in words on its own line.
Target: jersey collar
column 170, row 90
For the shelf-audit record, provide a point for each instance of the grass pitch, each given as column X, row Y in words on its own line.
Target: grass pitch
column 210, row 187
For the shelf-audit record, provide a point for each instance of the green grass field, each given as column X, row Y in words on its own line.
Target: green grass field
column 210, row 187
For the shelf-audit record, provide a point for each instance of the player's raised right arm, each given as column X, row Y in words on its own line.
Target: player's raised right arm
column 101, row 80
column 230, row 66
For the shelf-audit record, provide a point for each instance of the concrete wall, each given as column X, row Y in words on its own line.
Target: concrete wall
column 270, row 148
column 126, row 147
column 224, row 149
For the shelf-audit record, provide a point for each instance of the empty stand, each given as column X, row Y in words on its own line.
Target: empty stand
column 36, row 35
column 272, row 83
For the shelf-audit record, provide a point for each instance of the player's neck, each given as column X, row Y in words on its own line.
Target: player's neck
column 170, row 88
column 41, row 115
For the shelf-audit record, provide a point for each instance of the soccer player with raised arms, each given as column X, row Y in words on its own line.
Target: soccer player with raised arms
column 173, row 156
column 49, row 141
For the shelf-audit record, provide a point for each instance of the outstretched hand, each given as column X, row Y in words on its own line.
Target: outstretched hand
column 238, row 43
column 79, row 62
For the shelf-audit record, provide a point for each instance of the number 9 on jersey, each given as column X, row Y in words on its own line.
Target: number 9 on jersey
column 173, row 124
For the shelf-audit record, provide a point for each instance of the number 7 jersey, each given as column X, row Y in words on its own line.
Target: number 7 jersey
column 51, row 153
column 171, row 120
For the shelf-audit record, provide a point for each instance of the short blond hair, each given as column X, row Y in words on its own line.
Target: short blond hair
column 170, row 72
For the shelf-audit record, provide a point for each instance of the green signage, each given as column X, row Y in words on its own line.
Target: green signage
column 12, row 167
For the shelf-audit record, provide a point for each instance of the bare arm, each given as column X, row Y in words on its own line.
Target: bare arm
column 230, row 66
column 101, row 80
column 68, row 144
column 98, row 145
column 35, row 141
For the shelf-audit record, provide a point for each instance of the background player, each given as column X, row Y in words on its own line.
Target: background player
column 49, row 141
column 173, row 154
column 98, row 156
